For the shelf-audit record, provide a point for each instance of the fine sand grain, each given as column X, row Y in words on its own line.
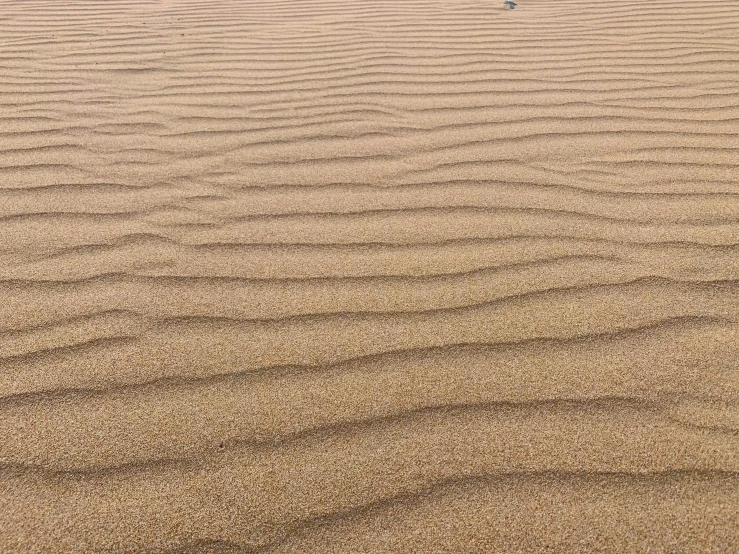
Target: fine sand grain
column 369, row 276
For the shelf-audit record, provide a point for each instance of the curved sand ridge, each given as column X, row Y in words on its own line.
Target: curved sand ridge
column 369, row 276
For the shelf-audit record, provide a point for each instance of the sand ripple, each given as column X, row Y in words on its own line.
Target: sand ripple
column 369, row 276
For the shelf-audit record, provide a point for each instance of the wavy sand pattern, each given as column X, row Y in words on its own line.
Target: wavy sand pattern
column 321, row 276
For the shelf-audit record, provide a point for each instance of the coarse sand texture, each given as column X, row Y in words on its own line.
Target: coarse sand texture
column 369, row 276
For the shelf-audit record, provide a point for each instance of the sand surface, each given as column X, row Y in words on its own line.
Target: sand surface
column 367, row 276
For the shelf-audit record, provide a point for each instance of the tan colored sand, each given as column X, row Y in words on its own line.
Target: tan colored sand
column 369, row 276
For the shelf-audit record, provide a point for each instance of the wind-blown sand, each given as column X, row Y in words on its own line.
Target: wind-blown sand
column 360, row 276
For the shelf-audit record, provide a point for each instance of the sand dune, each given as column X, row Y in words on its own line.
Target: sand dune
column 369, row 276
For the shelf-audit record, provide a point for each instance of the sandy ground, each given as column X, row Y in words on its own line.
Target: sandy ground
column 368, row 276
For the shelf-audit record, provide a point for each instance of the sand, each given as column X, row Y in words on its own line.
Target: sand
column 369, row 276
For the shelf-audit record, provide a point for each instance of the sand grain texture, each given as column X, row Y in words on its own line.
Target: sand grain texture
column 369, row 276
